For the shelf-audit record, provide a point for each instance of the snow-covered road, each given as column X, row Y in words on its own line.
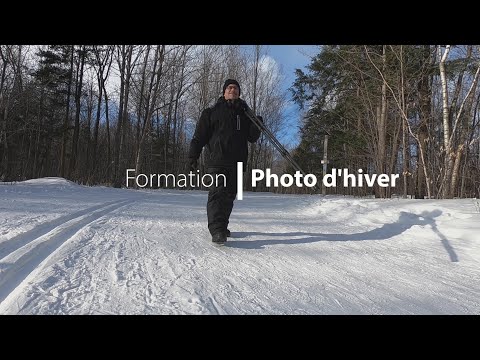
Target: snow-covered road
column 70, row 249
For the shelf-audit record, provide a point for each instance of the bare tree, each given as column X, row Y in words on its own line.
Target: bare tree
column 126, row 63
column 66, row 122
column 5, row 51
column 103, row 62
column 150, row 87
column 454, row 138
column 78, row 95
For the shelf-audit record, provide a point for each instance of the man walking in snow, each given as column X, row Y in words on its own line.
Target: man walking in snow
column 225, row 130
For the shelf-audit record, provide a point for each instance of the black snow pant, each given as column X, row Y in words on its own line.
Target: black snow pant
column 220, row 198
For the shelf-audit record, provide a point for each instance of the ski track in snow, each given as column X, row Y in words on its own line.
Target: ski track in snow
column 27, row 252
column 112, row 251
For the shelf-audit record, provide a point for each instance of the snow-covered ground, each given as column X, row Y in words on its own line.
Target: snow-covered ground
column 70, row 249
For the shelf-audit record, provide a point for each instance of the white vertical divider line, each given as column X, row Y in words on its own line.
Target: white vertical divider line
column 239, row 180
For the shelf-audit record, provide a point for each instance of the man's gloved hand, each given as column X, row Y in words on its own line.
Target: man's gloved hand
column 193, row 164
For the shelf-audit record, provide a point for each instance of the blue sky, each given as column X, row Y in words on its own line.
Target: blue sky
column 291, row 57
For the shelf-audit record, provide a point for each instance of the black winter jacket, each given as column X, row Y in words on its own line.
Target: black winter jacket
column 224, row 129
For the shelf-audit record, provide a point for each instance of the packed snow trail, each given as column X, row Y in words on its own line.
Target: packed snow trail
column 70, row 249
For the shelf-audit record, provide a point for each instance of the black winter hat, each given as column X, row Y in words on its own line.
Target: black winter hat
column 231, row 81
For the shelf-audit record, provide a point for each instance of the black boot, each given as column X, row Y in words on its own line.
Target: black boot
column 219, row 238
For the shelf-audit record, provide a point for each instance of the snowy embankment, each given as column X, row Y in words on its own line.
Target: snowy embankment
column 70, row 249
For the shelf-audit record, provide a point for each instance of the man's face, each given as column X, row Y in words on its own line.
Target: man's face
column 231, row 92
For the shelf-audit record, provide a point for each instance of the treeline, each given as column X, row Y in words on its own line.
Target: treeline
column 409, row 110
column 88, row 113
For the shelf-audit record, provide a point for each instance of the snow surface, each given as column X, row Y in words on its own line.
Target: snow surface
column 71, row 249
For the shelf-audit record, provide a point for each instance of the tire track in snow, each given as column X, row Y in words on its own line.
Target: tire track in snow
column 25, row 262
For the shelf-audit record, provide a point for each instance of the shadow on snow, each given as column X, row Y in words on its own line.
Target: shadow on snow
column 387, row 231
